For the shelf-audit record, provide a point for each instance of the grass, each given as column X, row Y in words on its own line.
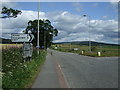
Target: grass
column 15, row 72
column 106, row 51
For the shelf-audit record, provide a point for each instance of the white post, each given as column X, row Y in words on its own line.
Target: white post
column 82, row 52
column 99, row 53
column 38, row 27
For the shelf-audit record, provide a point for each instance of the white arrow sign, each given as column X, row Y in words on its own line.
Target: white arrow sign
column 31, row 37
column 20, row 37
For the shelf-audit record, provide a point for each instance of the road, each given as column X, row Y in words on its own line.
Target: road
column 76, row 71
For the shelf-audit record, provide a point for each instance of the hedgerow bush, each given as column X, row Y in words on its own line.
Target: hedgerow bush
column 15, row 72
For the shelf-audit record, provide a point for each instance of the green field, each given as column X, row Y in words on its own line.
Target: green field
column 106, row 50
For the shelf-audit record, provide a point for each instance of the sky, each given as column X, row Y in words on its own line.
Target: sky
column 68, row 18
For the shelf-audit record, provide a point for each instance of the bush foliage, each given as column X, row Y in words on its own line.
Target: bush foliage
column 16, row 72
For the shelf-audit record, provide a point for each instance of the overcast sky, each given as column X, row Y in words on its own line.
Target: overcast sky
column 68, row 18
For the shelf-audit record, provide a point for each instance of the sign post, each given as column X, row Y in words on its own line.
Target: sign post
column 27, row 50
column 27, row 45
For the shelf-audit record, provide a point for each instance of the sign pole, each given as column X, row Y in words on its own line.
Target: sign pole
column 38, row 26
column 44, row 40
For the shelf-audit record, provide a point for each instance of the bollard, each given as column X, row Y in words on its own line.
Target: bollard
column 99, row 54
column 82, row 52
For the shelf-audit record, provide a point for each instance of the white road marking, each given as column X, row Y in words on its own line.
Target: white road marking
column 64, row 76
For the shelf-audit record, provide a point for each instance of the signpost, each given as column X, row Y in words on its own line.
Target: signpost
column 27, row 50
column 19, row 37
column 27, row 46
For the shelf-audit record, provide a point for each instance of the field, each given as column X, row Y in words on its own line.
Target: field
column 106, row 50
column 17, row 72
column 8, row 46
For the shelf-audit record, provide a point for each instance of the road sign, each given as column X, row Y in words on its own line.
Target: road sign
column 31, row 37
column 27, row 50
column 20, row 37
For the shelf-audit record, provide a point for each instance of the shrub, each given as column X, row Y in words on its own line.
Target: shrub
column 94, row 49
column 103, row 50
column 16, row 73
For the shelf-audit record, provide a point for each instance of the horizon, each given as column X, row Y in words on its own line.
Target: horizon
column 69, row 20
column 77, row 41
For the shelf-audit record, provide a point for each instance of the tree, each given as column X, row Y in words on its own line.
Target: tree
column 46, row 32
column 9, row 12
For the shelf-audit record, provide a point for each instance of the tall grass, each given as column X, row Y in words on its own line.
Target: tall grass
column 15, row 72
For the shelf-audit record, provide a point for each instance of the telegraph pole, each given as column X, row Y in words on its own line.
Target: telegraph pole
column 44, row 40
column 89, row 32
column 89, row 36
column 38, row 27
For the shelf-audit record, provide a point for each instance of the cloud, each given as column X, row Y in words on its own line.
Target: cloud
column 71, row 27
column 22, row 20
column 114, row 3
column 17, row 25
column 8, row 4
column 114, row 0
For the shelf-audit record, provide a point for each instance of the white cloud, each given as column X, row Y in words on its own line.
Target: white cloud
column 16, row 25
column 114, row 0
column 71, row 27
column 8, row 4
column 22, row 20
column 114, row 3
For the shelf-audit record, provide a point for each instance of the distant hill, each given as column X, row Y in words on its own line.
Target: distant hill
column 86, row 43
column 5, row 41
column 8, row 41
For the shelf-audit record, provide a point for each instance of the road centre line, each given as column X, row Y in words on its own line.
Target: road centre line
column 64, row 76
column 60, row 70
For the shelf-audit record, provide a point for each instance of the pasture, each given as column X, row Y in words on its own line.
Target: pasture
column 105, row 51
column 8, row 46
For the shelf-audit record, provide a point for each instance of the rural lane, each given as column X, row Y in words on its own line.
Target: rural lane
column 77, row 71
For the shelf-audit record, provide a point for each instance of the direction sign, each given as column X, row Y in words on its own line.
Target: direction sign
column 20, row 37
column 27, row 50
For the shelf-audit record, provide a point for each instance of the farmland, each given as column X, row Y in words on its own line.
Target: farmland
column 105, row 50
column 16, row 71
column 8, row 46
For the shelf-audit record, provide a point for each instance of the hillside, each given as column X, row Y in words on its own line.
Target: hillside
column 86, row 43
column 5, row 41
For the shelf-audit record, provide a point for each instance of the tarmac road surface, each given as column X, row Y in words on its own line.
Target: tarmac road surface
column 67, row 70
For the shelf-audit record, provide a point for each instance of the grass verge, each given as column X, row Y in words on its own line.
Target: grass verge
column 106, row 51
column 19, row 74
